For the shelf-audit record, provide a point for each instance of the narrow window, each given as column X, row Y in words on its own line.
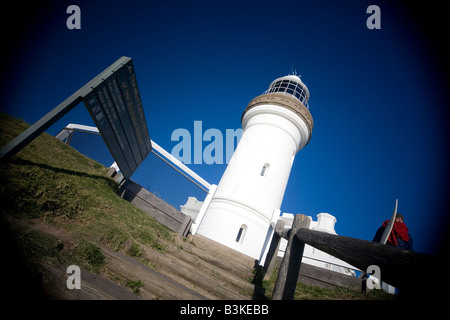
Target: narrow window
column 264, row 169
column 241, row 233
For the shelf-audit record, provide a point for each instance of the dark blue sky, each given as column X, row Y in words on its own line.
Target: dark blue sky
column 378, row 97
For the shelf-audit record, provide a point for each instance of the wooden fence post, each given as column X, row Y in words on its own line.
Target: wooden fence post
column 290, row 266
column 271, row 258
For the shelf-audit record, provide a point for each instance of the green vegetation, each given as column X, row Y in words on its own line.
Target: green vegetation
column 134, row 250
column 90, row 256
column 135, row 286
column 308, row 292
column 51, row 182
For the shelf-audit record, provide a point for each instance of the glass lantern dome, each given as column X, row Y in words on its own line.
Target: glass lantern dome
column 290, row 85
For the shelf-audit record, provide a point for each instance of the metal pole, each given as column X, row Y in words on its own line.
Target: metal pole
column 40, row 126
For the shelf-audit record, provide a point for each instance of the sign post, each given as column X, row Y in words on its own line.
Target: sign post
column 113, row 100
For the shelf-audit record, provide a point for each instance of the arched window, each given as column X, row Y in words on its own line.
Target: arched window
column 241, row 233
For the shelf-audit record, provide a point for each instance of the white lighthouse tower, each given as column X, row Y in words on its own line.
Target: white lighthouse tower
column 276, row 124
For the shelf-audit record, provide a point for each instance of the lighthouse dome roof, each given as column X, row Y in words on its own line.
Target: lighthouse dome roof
column 291, row 85
column 291, row 77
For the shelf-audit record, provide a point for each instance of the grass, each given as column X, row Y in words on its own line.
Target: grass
column 135, row 286
column 52, row 182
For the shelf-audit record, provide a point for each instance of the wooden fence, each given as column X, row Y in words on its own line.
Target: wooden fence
column 411, row 272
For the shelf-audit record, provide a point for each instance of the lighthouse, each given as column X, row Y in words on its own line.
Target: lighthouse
column 276, row 125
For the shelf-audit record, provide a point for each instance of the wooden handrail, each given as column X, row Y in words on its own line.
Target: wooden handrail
column 411, row 272
column 398, row 267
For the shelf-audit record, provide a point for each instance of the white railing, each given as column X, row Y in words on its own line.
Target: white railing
column 66, row 134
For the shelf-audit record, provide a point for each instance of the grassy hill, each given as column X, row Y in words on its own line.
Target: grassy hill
column 59, row 208
column 51, row 182
column 54, row 182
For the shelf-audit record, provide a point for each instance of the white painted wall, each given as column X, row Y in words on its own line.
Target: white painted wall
column 272, row 136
